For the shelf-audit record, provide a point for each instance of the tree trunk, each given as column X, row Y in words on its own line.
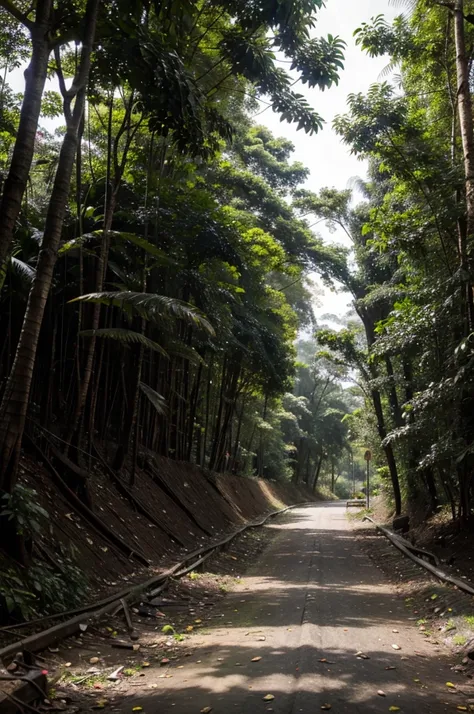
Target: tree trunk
column 235, row 451
column 228, row 413
column 392, row 395
column 389, row 455
column 193, row 410
column 83, row 386
column 369, row 322
column 415, row 451
column 466, row 240
column 217, row 428
column 15, row 399
column 261, row 448
column 467, row 136
column 300, row 454
column 317, row 472
column 127, row 437
column 17, row 179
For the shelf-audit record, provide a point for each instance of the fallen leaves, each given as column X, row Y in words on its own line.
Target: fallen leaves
column 93, row 660
column 326, row 707
column 268, row 698
column 206, row 710
column 362, row 655
column 394, row 709
column 381, row 693
column 396, row 647
column 450, row 685
column 255, row 659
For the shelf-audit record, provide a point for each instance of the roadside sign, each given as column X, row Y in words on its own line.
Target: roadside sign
column 368, row 455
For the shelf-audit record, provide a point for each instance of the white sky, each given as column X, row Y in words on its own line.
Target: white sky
column 327, row 158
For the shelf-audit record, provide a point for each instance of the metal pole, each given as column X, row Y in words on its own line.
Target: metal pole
column 368, row 485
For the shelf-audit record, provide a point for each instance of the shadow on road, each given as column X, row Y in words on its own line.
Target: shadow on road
column 306, row 608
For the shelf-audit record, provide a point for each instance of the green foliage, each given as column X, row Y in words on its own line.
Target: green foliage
column 169, row 630
column 40, row 589
column 21, row 507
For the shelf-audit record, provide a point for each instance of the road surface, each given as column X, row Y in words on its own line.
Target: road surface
column 311, row 602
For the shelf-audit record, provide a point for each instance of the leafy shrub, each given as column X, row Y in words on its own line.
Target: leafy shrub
column 39, row 589
column 22, row 506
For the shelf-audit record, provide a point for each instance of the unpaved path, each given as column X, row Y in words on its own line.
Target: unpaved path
column 312, row 595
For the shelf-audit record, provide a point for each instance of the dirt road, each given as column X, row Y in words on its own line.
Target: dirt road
column 306, row 608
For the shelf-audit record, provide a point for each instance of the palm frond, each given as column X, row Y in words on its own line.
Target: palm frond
column 145, row 245
column 410, row 4
column 150, row 306
column 126, row 336
column 387, row 70
column 129, row 282
column 158, row 401
column 22, row 270
column 179, row 349
column 73, row 244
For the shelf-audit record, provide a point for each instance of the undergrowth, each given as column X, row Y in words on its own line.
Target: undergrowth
column 40, row 588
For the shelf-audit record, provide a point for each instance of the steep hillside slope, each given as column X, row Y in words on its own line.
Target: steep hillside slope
column 123, row 533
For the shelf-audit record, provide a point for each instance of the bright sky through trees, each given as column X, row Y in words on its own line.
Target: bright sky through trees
column 330, row 161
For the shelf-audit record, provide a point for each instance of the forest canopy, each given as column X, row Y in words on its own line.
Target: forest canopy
column 154, row 260
column 158, row 249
